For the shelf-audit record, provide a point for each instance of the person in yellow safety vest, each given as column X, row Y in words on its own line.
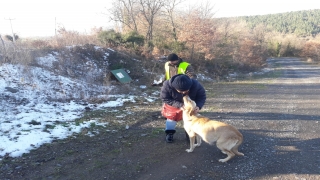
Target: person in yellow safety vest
column 174, row 66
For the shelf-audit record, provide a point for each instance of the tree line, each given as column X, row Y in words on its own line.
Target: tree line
column 301, row 23
column 153, row 28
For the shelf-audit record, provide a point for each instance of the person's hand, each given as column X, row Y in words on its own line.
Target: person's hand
column 196, row 110
column 155, row 84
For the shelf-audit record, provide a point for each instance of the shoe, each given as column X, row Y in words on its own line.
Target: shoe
column 169, row 138
column 169, row 135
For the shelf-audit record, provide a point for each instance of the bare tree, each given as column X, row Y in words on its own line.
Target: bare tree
column 259, row 33
column 149, row 9
column 170, row 7
column 199, row 31
column 126, row 12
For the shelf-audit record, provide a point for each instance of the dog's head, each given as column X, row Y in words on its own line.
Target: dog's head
column 189, row 106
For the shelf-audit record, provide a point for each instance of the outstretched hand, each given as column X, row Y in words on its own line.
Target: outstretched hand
column 155, row 84
column 196, row 110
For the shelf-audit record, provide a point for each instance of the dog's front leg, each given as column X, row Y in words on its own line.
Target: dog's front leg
column 192, row 139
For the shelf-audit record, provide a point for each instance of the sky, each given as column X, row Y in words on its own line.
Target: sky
column 43, row 17
column 29, row 119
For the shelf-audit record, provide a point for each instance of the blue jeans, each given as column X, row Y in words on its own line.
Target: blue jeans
column 171, row 124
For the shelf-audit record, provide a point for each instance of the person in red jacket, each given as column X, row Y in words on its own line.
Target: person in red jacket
column 172, row 93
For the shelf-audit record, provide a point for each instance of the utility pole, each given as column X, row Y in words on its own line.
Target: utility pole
column 55, row 26
column 13, row 36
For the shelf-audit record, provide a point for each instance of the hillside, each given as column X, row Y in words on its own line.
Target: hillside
column 302, row 23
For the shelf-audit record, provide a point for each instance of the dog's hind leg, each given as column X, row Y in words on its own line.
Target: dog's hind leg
column 235, row 150
column 198, row 140
column 226, row 148
column 230, row 155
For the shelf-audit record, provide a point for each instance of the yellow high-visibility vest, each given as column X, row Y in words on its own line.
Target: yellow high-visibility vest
column 181, row 69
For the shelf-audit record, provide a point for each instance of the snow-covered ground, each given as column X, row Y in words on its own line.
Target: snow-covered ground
column 29, row 117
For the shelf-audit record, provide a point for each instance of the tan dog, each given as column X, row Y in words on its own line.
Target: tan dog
column 227, row 137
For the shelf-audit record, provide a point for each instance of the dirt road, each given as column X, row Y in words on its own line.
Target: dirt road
column 279, row 118
column 278, row 114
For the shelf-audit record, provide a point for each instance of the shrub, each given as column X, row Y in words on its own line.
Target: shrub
column 10, row 38
column 311, row 50
column 110, row 38
column 177, row 46
column 133, row 39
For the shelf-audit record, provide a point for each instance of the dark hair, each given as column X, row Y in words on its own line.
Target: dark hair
column 181, row 82
column 173, row 57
